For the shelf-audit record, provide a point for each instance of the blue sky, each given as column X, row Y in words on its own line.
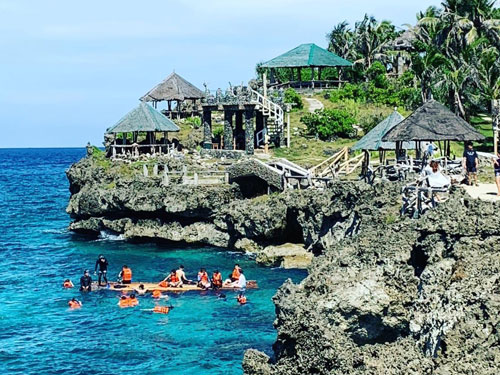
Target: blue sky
column 69, row 70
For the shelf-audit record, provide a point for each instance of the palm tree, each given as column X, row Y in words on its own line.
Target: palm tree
column 340, row 41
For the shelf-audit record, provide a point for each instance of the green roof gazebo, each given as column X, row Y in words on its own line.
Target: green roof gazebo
column 304, row 56
column 139, row 129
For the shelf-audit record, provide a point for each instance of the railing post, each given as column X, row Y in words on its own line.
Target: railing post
column 196, row 178
column 226, row 178
column 155, row 170
column 145, row 170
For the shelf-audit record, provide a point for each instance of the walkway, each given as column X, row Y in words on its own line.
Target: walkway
column 485, row 192
column 314, row 104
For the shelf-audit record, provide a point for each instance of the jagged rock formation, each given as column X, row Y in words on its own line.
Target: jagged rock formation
column 141, row 207
column 401, row 297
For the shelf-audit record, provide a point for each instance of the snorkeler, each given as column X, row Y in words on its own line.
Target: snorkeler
column 102, row 263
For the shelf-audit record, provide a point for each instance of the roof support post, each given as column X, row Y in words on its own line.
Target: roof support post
column 264, row 82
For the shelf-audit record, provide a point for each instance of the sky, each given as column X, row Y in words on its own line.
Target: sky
column 69, row 70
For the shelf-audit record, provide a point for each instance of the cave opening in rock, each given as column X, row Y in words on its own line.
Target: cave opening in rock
column 418, row 259
column 293, row 230
column 251, row 187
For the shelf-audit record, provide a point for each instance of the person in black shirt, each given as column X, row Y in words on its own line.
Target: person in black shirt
column 86, row 282
column 102, row 263
column 470, row 163
column 496, row 167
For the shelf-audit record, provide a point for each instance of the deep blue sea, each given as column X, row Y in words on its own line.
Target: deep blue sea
column 40, row 335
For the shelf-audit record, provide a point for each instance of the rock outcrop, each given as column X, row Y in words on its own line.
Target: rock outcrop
column 401, row 297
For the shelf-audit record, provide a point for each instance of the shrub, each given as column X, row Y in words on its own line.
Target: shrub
column 195, row 121
column 291, row 96
column 328, row 124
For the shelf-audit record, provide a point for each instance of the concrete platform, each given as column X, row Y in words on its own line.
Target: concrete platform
column 486, row 192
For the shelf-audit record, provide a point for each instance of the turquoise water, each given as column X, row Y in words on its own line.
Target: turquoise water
column 39, row 334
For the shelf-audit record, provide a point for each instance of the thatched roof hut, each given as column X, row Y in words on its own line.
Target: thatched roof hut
column 143, row 118
column 372, row 141
column 174, row 87
column 432, row 122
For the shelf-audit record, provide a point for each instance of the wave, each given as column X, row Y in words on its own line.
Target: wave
column 105, row 235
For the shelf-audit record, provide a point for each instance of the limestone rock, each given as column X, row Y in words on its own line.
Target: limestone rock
column 288, row 255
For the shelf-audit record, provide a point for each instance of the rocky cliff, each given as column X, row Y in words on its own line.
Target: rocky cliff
column 401, row 297
column 281, row 229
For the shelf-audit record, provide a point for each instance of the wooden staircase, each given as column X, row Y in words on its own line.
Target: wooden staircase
column 337, row 165
column 275, row 117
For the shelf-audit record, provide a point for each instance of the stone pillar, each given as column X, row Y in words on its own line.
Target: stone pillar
column 228, row 130
column 249, row 131
column 238, row 129
column 207, row 129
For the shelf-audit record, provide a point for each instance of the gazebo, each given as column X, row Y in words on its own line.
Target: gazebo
column 372, row 141
column 306, row 56
column 138, row 131
column 432, row 122
column 175, row 88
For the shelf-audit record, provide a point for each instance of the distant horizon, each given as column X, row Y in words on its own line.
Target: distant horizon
column 70, row 71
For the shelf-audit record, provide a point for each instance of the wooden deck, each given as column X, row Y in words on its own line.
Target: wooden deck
column 117, row 287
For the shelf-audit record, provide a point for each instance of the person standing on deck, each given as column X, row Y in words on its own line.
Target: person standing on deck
column 102, row 263
column 496, row 167
column 86, row 282
column 470, row 163
column 125, row 275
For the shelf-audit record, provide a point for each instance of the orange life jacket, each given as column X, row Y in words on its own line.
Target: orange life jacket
column 204, row 277
column 163, row 284
column 242, row 300
column 217, row 278
column 156, row 294
column 74, row 305
column 126, row 274
column 174, row 278
column 124, row 302
column 236, row 274
column 67, row 284
column 133, row 302
column 161, row 309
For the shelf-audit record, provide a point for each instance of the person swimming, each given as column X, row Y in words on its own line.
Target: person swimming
column 68, row 284
column 241, row 299
column 74, row 303
column 141, row 290
column 162, row 309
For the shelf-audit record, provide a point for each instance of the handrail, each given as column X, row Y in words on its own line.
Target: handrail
column 331, row 160
column 275, row 111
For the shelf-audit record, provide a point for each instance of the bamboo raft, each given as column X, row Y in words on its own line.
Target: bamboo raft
column 150, row 287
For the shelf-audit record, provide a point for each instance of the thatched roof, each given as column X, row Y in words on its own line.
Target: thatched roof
column 306, row 55
column 372, row 141
column 433, row 122
column 174, row 87
column 143, row 118
column 405, row 40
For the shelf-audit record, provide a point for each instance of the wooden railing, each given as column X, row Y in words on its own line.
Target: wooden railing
column 269, row 108
column 337, row 164
column 186, row 177
column 133, row 149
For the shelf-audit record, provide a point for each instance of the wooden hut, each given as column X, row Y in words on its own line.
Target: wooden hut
column 176, row 89
column 432, row 122
column 142, row 130
column 372, row 141
column 305, row 56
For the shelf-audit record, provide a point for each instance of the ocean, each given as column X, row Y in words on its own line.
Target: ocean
column 39, row 334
